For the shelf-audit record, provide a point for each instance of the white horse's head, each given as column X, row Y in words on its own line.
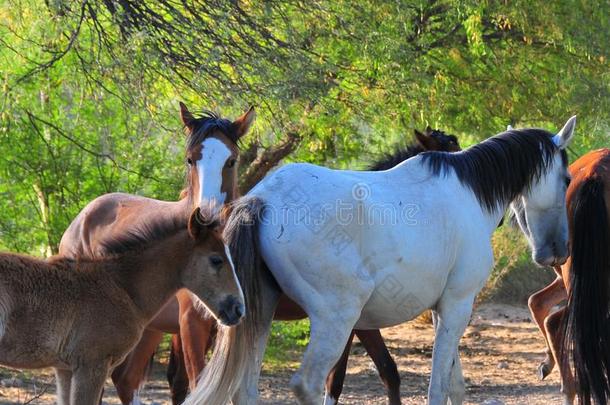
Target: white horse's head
column 541, row 210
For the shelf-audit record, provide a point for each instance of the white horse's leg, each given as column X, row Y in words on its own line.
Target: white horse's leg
column 247, row 394
column 62, row 380
column 329, row 334
column 458, row 385
column 457, row 388
column 453, row 317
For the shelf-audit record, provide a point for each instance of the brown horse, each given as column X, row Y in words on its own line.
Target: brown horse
column 586, row 274
column 211, row 157
column 82, row 316
column 287, row 310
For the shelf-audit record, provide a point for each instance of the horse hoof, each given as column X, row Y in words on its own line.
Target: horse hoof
column 543, row 371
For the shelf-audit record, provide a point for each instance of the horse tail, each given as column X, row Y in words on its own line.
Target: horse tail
column 587, row 323
column 223, row 374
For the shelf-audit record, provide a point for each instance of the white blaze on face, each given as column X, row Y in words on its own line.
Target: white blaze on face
column 214, row 155
column 228, row 254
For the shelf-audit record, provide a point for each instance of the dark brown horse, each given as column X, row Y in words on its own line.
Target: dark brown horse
column 586, row 274
column 82, row 316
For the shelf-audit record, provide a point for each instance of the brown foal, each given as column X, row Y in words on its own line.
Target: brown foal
column 82, row 316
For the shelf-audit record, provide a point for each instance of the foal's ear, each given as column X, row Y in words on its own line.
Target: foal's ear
column 243, row 123
column 426, row 141
column 186, row 117
column 564, row 137
column 197, row 225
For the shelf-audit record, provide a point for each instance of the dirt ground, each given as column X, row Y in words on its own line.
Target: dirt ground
column 500, row 352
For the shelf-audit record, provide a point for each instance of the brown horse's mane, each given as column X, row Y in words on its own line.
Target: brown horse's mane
column 155, row 231
column 145, row 235
column 205, row 123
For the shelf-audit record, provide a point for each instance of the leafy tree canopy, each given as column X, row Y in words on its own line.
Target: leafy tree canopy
column 90, row 88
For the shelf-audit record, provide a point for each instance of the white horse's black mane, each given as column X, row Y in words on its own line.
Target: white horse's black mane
column 499, row 169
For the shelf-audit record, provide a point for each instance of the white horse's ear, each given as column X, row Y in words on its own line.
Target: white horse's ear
column 564, row 137
column 509, row 127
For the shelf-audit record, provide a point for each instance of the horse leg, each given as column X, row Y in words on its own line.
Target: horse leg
column 195, row 333
column 451, row 321
column 388, row 372
column 129, row 376
column 457, row 389
column 555, row 334
column 247, row 393
column 330, row 331
column 62, row 379
column 87, row 384
column 334, row 380
column 540, row 304
column 176, row 372
column 458, row 385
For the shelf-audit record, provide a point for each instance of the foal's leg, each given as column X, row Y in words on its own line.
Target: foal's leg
column 540, row 304
column 555, row 335
column 63, row 379
column 334, row 380
column 129, row 376
column 388, row 372
column 87, row 384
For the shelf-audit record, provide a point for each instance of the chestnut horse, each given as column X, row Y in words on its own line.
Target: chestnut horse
column 82, row 316
column 211, row 157
column 586, row 273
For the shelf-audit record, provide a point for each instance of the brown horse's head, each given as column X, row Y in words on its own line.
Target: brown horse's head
column 212, row 154
column 210, row 274
column 433, row 139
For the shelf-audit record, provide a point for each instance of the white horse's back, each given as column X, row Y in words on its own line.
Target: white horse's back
column 371, row 234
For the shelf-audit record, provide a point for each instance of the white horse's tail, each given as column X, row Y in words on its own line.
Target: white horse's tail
column 222, row 376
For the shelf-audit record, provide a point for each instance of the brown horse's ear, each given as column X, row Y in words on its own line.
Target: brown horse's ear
column 196, row 226
column 185, row 116
column 426, row 141
column 429, row 130
column 242, row 124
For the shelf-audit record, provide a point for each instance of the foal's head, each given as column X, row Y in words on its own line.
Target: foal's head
column 434, row 139
column 541, row 209
column 210, row 274
column 212, row 154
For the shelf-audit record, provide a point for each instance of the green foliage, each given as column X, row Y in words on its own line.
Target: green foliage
column 90, row 89
column 287, row 341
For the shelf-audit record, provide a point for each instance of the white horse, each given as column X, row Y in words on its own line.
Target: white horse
column 375, row 249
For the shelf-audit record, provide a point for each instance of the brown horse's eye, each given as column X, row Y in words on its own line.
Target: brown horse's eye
column 231, row 163
column 189, row 161
column 216, row 260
